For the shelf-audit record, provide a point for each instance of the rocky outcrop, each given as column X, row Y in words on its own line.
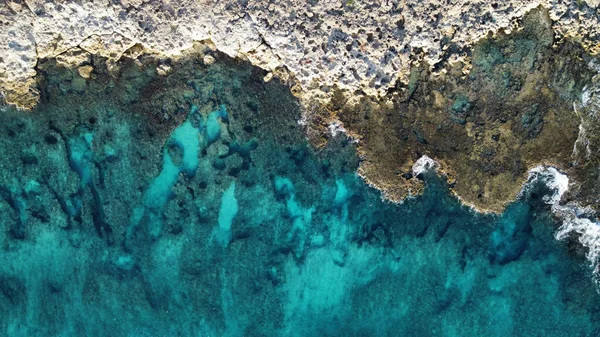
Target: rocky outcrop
column 519, row 106
column 355, row 45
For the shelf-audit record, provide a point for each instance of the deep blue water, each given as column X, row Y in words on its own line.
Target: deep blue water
column 223, row 221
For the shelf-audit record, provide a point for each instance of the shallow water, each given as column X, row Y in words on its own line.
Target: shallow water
column 218, row 219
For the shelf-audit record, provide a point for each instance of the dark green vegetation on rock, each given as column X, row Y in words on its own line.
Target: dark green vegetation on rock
column 511, row 111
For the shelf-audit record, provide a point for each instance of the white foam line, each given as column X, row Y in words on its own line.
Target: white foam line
column 586, row 231
column 557, row 182
column 423, row 164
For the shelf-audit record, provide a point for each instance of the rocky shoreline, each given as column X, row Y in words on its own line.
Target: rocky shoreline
column 487, row 108
column 195, row 194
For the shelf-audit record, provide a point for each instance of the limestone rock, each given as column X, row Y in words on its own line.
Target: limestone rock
column 355, row 45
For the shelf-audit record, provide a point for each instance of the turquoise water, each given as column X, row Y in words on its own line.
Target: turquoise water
column 216, row 218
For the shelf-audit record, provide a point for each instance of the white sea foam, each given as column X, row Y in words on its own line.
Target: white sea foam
column 335, row 128
column 582, row 140
column 585, row 96
column 425, row 163
column 580, row 222
column 576, row 221
column 557, row 182
column 585, row 230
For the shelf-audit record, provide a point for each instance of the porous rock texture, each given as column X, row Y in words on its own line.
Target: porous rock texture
column 364, row 45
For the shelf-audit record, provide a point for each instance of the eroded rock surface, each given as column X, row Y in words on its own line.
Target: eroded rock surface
column 512, row 111
column 356, row 45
